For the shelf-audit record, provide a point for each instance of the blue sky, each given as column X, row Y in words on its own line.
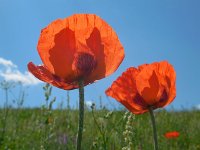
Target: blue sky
column 149, row 31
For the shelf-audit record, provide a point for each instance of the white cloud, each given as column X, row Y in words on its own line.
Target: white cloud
column 89, row 103
column 7, row 63
column 198, row 107
column 9, row 72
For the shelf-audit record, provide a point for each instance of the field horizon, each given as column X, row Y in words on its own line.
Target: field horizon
column 43, row 128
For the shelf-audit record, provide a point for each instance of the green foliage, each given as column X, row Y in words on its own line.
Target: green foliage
column 29, row 130
column 47, row 129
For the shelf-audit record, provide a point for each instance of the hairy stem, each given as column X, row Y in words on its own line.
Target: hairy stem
column 5, row 117
column 81, row 114
column 154, row 128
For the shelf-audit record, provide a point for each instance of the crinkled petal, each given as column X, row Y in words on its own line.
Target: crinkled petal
column 56, row 47
column 148, row 85
column 45, row 75
column 167, row 71
column 124, row 90
column 107, row 48
column 156, row 83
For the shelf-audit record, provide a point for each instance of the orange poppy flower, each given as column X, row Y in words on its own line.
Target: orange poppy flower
column 149, row 85
column 173, row 134
column 80, row 47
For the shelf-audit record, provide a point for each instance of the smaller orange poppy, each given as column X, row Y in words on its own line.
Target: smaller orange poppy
column 171, row 135
column 149, row 85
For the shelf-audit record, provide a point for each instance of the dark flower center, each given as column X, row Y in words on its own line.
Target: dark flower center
column 163, row 97
column 84, row 64
column 139, row 101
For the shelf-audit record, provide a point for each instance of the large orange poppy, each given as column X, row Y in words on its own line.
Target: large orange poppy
column 80, row 47
column 149, row 85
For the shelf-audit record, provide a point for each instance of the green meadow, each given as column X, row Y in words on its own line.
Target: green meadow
column 45, row 128
column 35, row 129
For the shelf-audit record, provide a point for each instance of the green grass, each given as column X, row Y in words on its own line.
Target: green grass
column 35, row 129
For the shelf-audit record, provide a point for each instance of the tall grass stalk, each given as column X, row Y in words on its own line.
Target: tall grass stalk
column 5, row 86
column 4, row 117
column 128, row 132
column 68, row 101
column 48, row 119
column 100, row 130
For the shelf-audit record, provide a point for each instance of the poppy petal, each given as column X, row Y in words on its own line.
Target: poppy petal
column 148, row 85
column 123, row 90
column 107, row 48
column 45, row 75
column 57, row 41
column 167, row 71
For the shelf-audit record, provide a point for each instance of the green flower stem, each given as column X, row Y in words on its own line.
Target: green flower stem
column 154, row 128
column 81, row 114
